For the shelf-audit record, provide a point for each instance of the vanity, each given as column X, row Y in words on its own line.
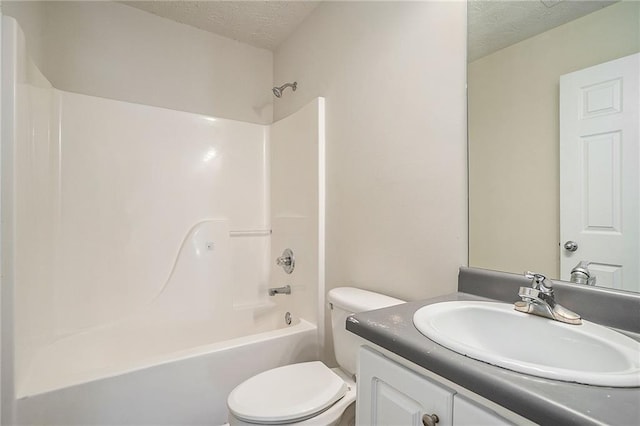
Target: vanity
column 406, row 378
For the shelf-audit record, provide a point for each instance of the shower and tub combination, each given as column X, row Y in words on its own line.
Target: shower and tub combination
column 144, row 247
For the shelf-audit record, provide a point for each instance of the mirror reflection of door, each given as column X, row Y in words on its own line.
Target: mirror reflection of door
column 599, row 172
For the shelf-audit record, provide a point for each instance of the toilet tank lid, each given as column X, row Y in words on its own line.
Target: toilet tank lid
column 353, row 299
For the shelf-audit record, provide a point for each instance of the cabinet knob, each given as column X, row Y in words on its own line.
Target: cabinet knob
column 430, row 419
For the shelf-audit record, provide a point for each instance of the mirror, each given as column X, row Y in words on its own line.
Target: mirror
column 517, row 52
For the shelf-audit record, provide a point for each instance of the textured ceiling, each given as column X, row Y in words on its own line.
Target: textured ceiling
column 493, row 24
column 258, row 23
column 496, row 24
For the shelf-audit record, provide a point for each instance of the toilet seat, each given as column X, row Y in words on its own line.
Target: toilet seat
column 287, row 394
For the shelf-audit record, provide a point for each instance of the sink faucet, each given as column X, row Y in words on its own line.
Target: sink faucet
column 540, row 300
column 580, row 274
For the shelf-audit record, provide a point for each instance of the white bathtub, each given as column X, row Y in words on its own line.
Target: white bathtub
column 127, row 379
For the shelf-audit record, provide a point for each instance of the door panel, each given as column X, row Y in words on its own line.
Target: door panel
column 390, row 394
column 599, row 178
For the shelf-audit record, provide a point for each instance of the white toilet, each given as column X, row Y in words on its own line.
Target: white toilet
column 310, row 393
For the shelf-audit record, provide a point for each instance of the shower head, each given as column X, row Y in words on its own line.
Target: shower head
column 277, row 91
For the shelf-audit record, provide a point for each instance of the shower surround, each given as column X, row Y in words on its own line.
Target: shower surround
column 145, row 236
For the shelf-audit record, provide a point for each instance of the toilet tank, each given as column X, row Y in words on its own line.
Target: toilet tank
column 344, row 301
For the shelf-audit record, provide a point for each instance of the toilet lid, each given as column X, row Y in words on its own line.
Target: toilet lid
column 286, row 394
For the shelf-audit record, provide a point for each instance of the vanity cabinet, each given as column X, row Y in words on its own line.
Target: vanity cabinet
column 468, row 412
column 392, row 394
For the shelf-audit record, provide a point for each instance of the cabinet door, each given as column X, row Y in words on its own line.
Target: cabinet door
column 389, row 394
column 469, row 413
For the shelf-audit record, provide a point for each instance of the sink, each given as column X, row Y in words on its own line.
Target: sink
column 495, row 333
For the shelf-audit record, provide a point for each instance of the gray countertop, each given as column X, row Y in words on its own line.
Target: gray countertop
column 543, row 401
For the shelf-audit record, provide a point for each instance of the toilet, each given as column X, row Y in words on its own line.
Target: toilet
column 310, row 393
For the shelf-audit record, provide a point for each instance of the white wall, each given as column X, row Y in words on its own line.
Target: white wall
column 297, row 207
column 2, row 369
column 16, row 69
column 34, row 203
column 114, row 51
column 393, row 76
column 107, row 194
column 31, row 16
column 514, row 137
column 6, row 282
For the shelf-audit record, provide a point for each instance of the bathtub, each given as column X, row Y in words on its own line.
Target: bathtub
column 174, row 359
column 140, row 373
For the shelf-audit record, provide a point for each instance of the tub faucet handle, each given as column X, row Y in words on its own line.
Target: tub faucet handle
column 287, row 261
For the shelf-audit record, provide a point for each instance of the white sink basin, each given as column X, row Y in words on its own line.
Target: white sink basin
column 497, row 334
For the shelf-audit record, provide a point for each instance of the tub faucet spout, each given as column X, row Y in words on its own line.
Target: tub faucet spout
column 280, row 290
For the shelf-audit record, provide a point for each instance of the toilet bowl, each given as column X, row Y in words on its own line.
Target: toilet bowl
column 310, row 393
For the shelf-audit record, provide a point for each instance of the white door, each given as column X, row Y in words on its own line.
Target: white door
column 599, row 179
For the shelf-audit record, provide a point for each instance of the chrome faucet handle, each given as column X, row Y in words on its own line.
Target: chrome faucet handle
column 283, row 261
column 538, row 278
column 287, row 261
column 540, row 282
